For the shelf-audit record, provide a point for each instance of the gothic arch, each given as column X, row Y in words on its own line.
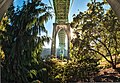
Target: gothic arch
column 56, row 29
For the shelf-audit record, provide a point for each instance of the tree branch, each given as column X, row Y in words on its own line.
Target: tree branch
column 105, row 47
column 101, row 55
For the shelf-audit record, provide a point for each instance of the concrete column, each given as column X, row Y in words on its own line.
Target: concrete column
column 56, row 29
column 53, row 45
column 69, row 39
column 4, row 5
column 115, row 4
column 0, row 71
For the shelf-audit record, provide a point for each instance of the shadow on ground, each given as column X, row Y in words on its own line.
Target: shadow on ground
column 107, row 76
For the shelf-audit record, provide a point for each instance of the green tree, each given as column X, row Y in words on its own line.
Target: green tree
column 97, row 32
column 22, row 40
column 2, row 29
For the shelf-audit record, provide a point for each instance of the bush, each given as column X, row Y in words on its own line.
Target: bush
column 71, row 70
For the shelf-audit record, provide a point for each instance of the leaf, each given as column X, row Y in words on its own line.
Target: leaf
column 33, row 73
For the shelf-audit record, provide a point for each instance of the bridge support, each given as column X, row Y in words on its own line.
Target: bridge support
column 4, row 5
column 56, row 29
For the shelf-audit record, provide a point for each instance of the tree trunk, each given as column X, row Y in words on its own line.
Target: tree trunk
column 113, row 65
column 115, row 5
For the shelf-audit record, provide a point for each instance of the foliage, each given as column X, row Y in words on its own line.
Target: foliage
column 2, row 29
column 22, row 42
column 97, row 32
column 70, row 70
column 97, row 36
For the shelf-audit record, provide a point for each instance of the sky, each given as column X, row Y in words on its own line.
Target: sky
column 77, row 5
column 75, row 8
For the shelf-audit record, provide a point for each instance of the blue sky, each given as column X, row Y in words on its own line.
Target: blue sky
column 78, row 5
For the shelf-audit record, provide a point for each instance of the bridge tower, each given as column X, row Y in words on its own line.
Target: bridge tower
column 61, row 26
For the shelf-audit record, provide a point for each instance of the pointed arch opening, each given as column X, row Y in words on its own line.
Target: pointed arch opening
column 61, row 44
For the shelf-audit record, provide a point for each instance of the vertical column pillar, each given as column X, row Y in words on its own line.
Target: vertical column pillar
column 0, row 71
column 69, row 38
column 4, row 5
column 53, row 45
column 55, row 31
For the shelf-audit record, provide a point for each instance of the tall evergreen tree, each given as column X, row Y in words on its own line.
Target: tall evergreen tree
column 22, row 41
